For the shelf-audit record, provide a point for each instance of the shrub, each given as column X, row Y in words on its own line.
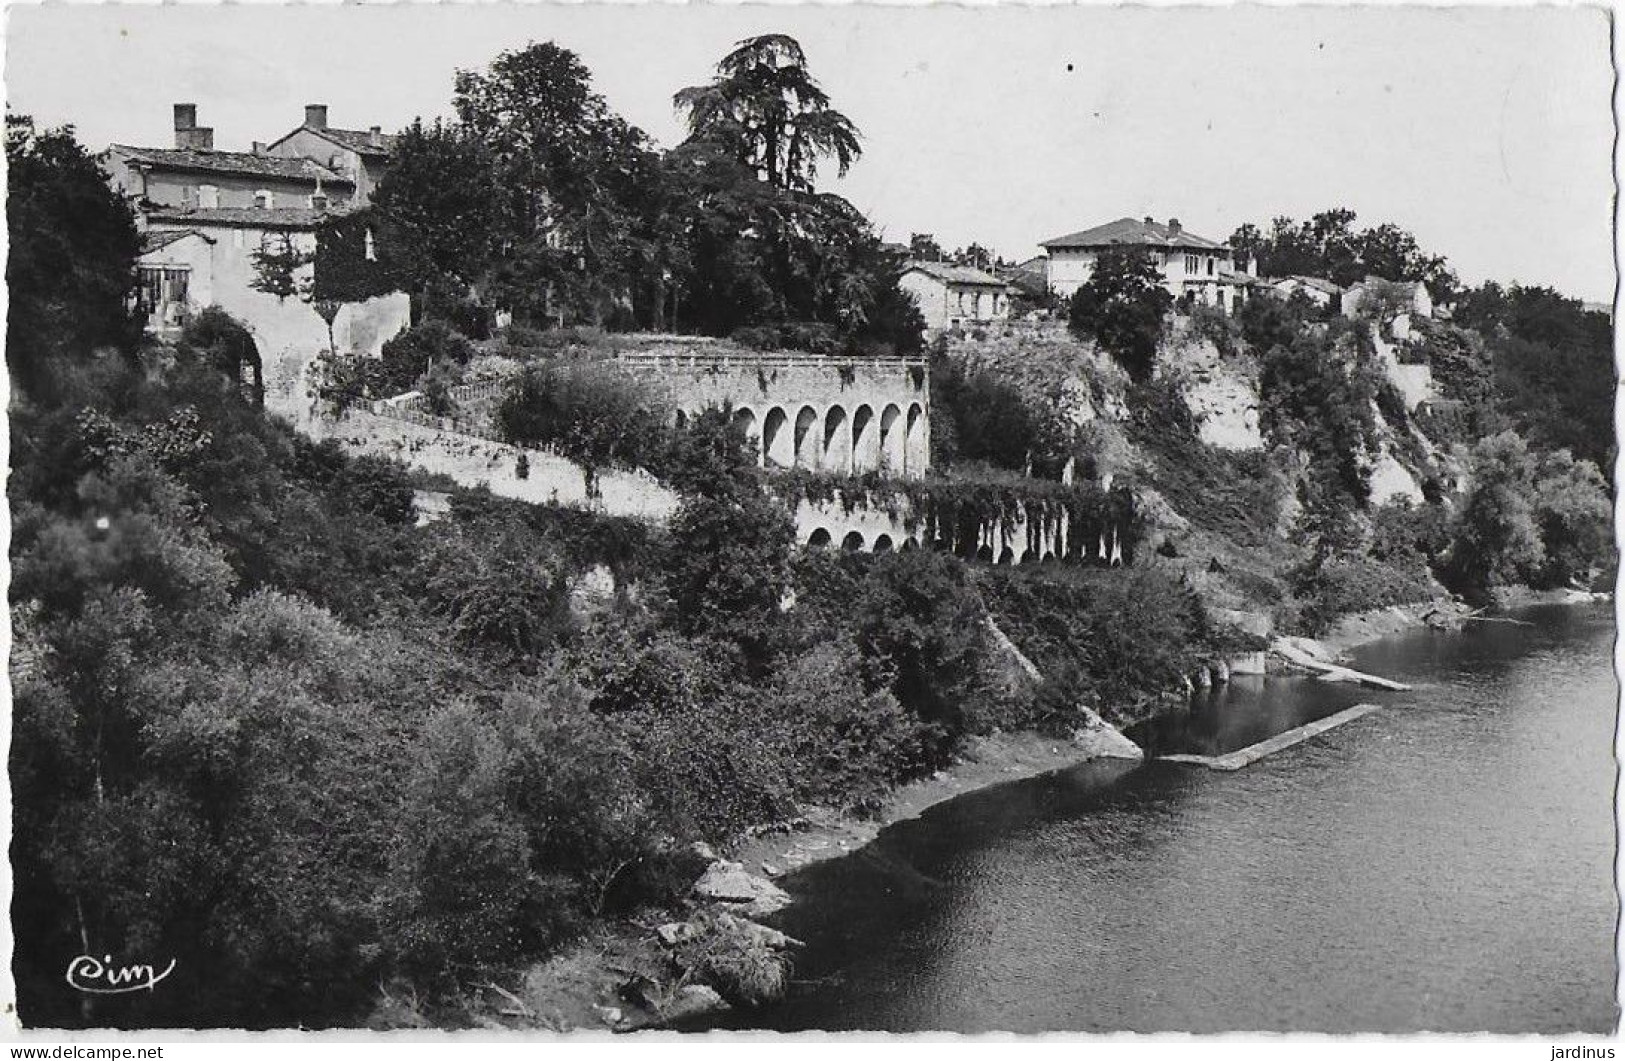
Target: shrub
column 445, row 301
column 593, row 412
column 1217, row 327
column 1122, row 307
column 735, row 959
column 917, row 624
column 409, row 355
column 1117, row 638
column 501, row 587
column 1345, row 583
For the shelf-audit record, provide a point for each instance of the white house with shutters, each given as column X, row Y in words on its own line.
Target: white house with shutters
column 956, row 296
column 1193, row 267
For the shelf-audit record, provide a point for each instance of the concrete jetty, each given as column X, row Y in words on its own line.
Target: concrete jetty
column 1294, row 651
column 1254, row 752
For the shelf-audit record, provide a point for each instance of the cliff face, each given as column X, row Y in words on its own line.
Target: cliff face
column 1220, row 499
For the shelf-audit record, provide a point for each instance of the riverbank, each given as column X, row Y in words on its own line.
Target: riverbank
column 629, row 976
column 624, row 977
column 1448, row 613
column 987, row 760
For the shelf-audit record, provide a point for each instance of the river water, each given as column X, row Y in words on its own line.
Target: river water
column 1446, row 863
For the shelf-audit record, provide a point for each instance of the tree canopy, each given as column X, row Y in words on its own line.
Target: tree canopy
column 70, row 266
column 1122, row 306
column 765, row 109
column 1329, row 246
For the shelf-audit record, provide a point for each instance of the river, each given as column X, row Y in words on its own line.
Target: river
column 1446, row 863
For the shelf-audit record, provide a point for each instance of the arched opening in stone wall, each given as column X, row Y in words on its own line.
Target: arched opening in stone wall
column 806, row 439
column 1008, row 556
column 746, row 418
column 891, row 440
column 883, row 544
column 853, row 542
column 985, row 554
column 778, row 446
column 680, row 420
column 917, row 442
column 837, row 455
column 909, row 545
column 819, row 539
column 865, row 440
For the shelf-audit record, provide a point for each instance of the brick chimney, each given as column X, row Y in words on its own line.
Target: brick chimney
column 316, row 115
column 1173, row 226
column 188, row 134
column 258, row 148
column 1149, row 220
column 376, row 135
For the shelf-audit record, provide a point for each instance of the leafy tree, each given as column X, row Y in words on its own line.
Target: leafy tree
column 572, row 178
column 924, row 246
column 70, row 266
column 1317, row 396
column 729, row 566
column 592, row 412
column 1552, row 364
column 500, row 588
column 1122, row 307
column 1495, row 536
column 222, row 341
column 407, row 357
column 436, row 208
column 1527, row 517
column 1329, row 246
column 979, row 416
column 1575, row 515
column 765, row 109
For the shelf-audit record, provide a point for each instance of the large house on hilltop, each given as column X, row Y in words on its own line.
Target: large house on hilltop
column 1193, row 267
column 956, row 296
column 204, row 214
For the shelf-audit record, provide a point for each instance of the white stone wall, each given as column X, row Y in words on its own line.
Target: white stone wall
column 839, row 415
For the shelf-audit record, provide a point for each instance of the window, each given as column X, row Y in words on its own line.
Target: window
column 1210, row 264
column 161, row 293
column 1190, row 265
column 262, row 200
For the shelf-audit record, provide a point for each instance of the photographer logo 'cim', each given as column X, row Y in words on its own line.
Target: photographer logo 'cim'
column 101, row 977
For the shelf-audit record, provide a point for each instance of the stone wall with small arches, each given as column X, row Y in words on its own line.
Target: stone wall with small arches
column 1020, row 538
column 843, row 415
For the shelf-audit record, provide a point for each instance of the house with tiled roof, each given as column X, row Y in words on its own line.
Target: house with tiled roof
column 1194, row 267
column 193, row 175
column 956, row 296
column 361, row 155
column 1316, row 289
column 205, row 216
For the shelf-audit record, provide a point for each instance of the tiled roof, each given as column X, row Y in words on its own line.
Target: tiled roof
column 359, row 140
column 234, row 162
column 243, row 216
column 1229, row 276
column 158, row 239
column 949, row 273
column 1315, row 282
column 1126, row 231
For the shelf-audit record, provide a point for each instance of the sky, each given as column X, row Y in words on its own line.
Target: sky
column 1487, row 132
